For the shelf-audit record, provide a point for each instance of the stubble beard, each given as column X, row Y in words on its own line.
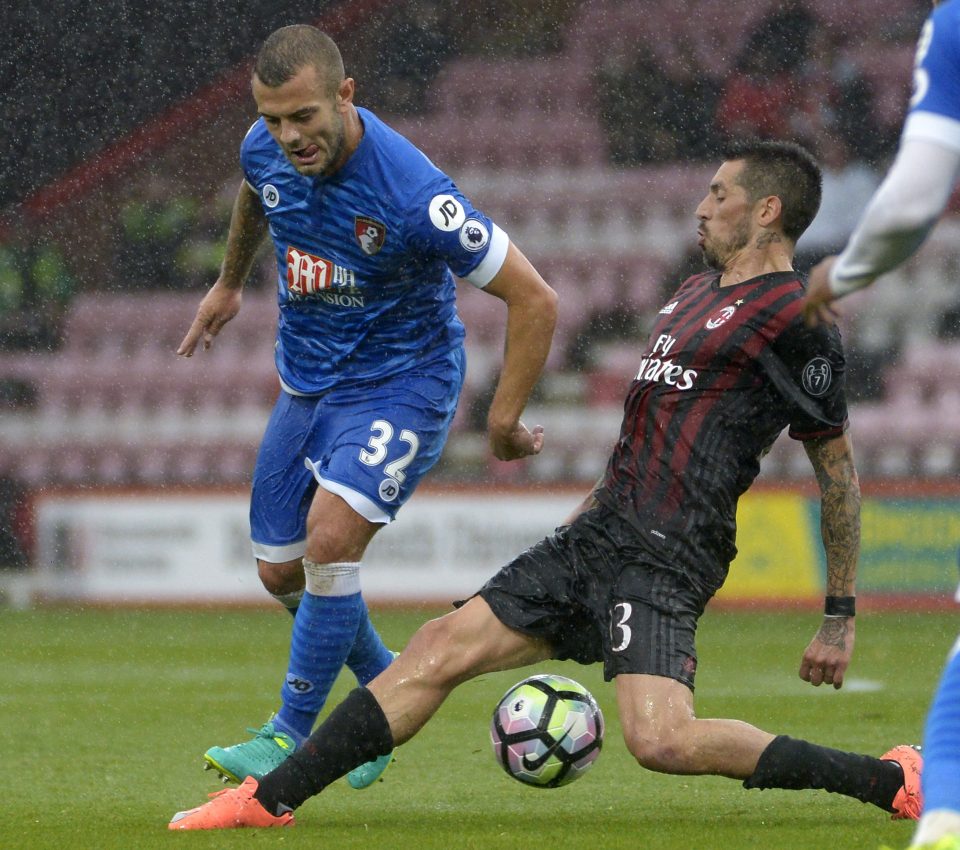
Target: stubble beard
column 335, row 144
column 336, row 147
column 718, row 255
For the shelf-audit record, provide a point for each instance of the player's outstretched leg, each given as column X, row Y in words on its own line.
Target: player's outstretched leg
column 891, row 782
column 365, row 775
column 230, row 809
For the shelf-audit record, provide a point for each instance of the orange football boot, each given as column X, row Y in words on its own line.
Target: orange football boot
column 230, row 809
column 908, row 804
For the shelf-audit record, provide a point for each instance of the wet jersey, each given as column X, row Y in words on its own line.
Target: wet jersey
column 365, row 256
column 726, row 369
column 937, row 73
column 935, row 104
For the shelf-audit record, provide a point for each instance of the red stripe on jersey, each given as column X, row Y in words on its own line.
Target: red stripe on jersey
column 652, row 407
column 750, row 348
column 692, row 327
column 682, row 326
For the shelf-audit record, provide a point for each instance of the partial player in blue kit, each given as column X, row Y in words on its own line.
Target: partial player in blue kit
column 898, row 219
column 367, row 235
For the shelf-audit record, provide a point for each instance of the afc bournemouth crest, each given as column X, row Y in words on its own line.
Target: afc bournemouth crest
column 370, row 234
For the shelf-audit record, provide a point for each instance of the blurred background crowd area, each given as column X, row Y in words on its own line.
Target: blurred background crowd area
column 588, row 129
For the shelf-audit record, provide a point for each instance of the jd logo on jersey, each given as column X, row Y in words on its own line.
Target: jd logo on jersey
column 370, row 234
column 271, row 197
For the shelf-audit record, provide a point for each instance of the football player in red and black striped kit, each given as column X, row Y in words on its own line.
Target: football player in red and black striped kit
column 729, row 365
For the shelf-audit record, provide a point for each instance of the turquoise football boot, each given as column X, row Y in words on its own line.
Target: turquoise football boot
column 268, row 749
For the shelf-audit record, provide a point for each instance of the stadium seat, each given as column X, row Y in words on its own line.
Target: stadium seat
column 500, row 90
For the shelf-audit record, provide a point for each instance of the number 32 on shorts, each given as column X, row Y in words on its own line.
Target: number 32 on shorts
column 620, row 632
column 382, row 433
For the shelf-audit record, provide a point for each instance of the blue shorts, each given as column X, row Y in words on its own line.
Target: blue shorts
column 368, row 443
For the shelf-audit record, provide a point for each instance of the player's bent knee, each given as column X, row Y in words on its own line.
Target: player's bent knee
column 441, row 655
column 281, row 579
column 663, row 753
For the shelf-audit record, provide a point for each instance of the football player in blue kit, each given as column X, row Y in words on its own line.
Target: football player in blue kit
column 895, row 224
column 367, row 234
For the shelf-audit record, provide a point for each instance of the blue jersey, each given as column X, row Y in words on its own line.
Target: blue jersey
column 364, row 258
column 935, row 104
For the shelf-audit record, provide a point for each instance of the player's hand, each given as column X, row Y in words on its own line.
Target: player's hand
column 826, row 659
column 515, row 442
column 817, row 307
column 217, row 308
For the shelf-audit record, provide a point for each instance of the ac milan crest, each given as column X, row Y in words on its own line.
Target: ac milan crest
column 370, row 234
column 720, row 318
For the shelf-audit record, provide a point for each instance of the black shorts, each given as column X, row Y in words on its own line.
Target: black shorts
column 594, row 594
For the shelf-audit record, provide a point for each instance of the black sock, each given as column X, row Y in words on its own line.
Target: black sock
column 356, row 732
column 789, row 763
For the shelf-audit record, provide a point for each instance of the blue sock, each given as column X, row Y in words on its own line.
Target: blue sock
column 941, row 742
column 369, row 657
column 324, row 630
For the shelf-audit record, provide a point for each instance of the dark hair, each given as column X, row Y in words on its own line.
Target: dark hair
column 786, row 170
column 289, row 49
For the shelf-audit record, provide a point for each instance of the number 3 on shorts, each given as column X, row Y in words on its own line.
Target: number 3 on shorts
column 621, row 613
column 376, row 451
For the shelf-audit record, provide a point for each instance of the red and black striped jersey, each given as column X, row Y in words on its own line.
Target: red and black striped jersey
column 725, row 370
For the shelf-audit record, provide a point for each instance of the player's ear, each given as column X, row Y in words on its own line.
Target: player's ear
column 768, row 210
column 345, row 91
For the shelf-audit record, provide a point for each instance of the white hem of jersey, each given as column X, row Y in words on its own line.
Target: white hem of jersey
column 493, row 261
column 932, row 127
column 278, row 554
column 364, row 506
column 292, row 391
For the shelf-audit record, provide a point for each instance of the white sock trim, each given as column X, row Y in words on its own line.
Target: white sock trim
column 341, row 579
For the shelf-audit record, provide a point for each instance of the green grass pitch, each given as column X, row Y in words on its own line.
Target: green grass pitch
column 104, row 716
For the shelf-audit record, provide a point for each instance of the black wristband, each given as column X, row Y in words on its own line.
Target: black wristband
column 840, row 606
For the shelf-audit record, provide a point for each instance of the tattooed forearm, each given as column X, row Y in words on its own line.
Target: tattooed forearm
column 248, row 227
column 839, row 511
